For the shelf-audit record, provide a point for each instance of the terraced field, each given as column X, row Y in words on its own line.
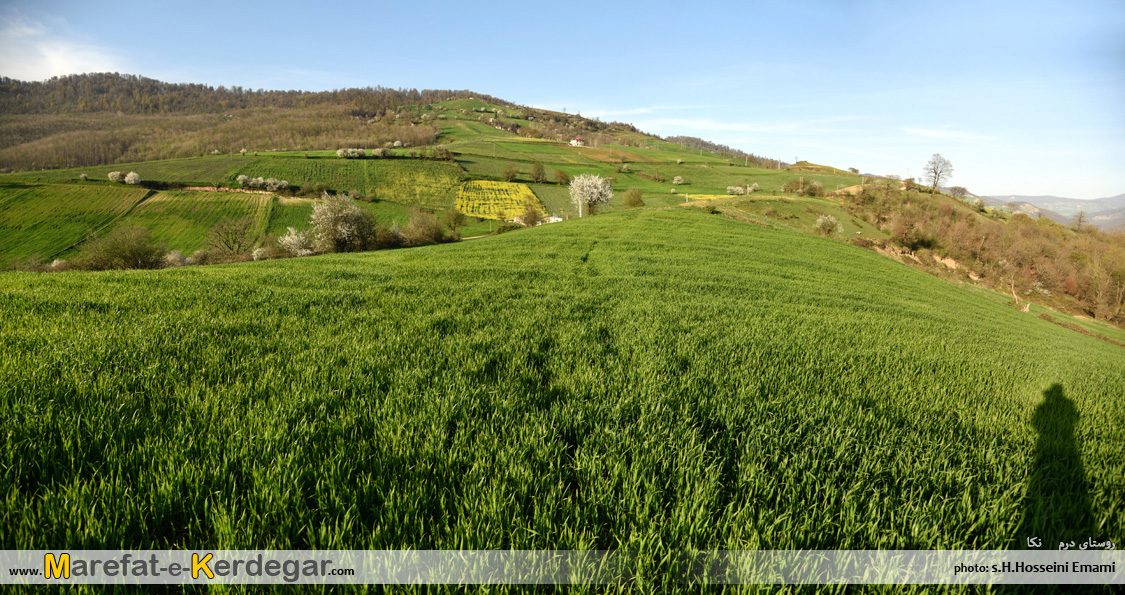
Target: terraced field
column 496, row 200
column 46, row 219
column 201, row 170
column 425, row 184
column 651, row 381
column 341, row 175
column 182, row 219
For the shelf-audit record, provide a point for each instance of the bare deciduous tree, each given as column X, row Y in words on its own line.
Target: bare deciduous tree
column 937, row 170
column 231, row 236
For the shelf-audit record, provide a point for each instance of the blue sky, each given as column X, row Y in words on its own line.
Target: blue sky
column 1022, row 97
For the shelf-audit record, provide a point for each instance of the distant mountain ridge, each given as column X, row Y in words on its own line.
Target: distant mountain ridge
column 1067, row 206
column 1104, row 213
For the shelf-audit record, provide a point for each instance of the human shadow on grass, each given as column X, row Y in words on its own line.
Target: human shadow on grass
column 1057, row 504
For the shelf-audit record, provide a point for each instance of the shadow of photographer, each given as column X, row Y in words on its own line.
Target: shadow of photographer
column 1057, row 504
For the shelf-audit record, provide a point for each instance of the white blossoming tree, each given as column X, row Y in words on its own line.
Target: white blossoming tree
column 339, row 225
column 589, row 191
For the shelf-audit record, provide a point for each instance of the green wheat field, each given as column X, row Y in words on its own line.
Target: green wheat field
column 653, row 381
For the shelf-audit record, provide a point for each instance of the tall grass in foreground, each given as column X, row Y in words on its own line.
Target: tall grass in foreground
column 652, row 381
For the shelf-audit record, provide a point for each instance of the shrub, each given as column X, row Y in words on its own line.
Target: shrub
column 351, row 153
column 673, row 190
column 388, row 237
column 562, row 177
column 530, row 217
column 802, row 188
column 423, row 229
column 826, row 225
column 125, row 247
column 679, row 162
column 538, row 174
column 506, row 227
column 175, row 258
column 710, row 209
column 295, row 243
column 453, row 219
column 753, row 188
column 83, row 177
column 510, row 173
column 243, row 180
column 338, row 224
column 133, row 178
column 201, row 257
column 678, row 180
column 633, row 198
column 116, row 177
column 313, row 190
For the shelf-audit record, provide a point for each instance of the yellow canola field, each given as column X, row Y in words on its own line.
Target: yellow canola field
column 488, row 199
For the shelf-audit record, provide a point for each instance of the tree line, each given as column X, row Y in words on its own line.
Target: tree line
column 138, row 95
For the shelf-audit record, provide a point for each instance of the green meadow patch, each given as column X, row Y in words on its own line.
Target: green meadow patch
column 45, row 220
column 183, row 219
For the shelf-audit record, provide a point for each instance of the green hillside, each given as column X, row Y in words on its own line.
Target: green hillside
column 649, row 381
column 397, row 183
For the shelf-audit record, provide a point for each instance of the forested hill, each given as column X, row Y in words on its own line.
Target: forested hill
column 138, row 95
column 692, row 142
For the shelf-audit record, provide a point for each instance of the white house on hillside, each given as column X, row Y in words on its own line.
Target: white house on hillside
column 577, row 142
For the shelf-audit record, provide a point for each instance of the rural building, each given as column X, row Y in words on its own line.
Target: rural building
column 577, row 142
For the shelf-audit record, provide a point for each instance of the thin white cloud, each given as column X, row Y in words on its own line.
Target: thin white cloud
column 945, row 134
column 30, row 51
